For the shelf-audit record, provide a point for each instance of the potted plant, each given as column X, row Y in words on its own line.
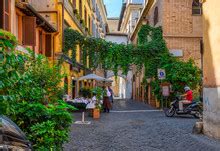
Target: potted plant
column 81, row 21
column 98, row 93
column 75, row 11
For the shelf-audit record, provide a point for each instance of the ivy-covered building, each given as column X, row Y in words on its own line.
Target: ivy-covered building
column 181, row 23
column 39, row 25
column 30, row 27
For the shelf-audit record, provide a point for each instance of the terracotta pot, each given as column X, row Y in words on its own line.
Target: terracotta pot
column 96, row 113
column 157, row 104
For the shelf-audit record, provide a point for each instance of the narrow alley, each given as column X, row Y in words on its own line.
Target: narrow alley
column 134, row 126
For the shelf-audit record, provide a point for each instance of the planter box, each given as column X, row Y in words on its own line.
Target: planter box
column 96, row 113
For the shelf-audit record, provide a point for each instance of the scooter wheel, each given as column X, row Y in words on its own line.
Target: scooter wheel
column 197, row 115
column 170, row 112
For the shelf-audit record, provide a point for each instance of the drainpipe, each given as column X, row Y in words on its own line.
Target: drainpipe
column 202, row 66
column 63, row 25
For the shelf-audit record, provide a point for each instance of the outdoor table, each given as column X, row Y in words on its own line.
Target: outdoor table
column 82, row 109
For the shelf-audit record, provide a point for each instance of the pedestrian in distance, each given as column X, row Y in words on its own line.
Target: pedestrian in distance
column 106, row 100
column 112, row 94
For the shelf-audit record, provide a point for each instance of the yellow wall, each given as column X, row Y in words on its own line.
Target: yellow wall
column 86, row 6
column 211, row 70
column 73, row 25
column 58, row 38
column 212, row 43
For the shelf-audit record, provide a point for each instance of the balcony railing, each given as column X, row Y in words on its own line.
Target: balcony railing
column 69, row 8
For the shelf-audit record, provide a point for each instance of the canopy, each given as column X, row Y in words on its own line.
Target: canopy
column 93, row 77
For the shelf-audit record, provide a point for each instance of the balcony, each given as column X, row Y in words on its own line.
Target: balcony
column 75, row 16
column 93, row 6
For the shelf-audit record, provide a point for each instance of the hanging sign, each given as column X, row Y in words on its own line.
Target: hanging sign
column 165, row 90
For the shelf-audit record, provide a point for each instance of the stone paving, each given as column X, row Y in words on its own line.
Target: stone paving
column 137, row 131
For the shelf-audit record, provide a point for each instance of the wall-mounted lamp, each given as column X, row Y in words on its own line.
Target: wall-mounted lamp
column 148, row 80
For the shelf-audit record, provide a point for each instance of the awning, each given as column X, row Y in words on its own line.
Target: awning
column 30, row 11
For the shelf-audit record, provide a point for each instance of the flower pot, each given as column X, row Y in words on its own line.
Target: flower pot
column 157, row 104
column 96, row 113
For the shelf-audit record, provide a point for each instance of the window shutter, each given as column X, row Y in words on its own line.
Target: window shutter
column 48, row 48
column 74, row 3
column 29, row 33
column 1, row 14
column 80, row 8
column 156, row 16
column 5, row 14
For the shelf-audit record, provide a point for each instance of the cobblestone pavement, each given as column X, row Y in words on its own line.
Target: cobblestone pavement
column 137, row 131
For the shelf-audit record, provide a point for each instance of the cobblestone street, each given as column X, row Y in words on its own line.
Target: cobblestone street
column 134, row 126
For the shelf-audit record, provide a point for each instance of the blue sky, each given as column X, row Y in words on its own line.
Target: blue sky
column 113, row 7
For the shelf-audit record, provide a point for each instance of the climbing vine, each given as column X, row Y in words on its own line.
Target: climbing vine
column 149, row 54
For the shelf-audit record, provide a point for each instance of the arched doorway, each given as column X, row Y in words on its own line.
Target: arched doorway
column 122, row 84
column 118, row 87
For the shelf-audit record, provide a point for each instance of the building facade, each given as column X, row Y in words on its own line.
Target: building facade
column 130, row 13
column 39, row 25
column 31, row 29
column 99, row 19
column 181, row 22
column 113, row 24
column 211, row 72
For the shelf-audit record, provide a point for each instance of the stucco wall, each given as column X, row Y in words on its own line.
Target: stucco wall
column 211, row 68
column 117, row 39
column 113, row 25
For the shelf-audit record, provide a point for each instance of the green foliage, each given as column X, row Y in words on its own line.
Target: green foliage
column 29, row 94
column 98, row 92
column 85, row 92
column 150, row 54
column 178, row 73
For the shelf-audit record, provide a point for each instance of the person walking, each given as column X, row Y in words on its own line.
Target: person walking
column 106, row 100
column 112, row 94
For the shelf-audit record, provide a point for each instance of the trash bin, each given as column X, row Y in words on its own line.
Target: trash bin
column 11, row 136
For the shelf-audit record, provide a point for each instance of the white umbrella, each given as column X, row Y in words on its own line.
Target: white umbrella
column 92, row 77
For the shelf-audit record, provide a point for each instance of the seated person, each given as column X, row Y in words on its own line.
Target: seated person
column 188, row 97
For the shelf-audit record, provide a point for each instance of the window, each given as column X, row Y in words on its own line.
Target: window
column 73, row 2
column 66, row 85
column 196, row 7
column 80, row 55
column 5, row 14
column 90, row 25
column 48, row 47
column 40, row 42
column 155, row 16
column 85, row 16
column 80, row 8
column 28, row 32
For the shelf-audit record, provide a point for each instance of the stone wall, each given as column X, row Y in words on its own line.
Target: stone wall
column 182, row 30
column 189, row 46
